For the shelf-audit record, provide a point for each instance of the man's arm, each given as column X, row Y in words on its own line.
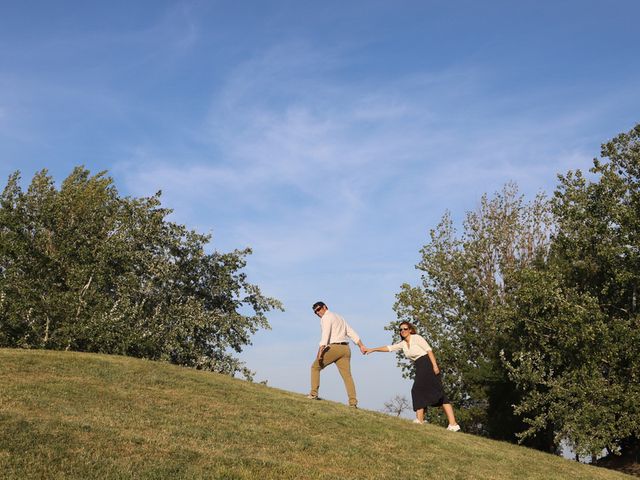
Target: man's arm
column 325, row 329
column 353, row 335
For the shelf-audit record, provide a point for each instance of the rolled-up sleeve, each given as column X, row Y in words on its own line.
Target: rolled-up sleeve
column 421, row 342
column 395, row 347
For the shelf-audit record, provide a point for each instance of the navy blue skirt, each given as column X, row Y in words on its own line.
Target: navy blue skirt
column 427, row 388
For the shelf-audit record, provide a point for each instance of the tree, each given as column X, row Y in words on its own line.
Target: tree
column 578, row 358
column 464, row 283
column 396, row 405
column 82, row 268
column 534, row 310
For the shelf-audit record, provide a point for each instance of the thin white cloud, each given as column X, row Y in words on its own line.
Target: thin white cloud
column 298, row 160
column 168, row 33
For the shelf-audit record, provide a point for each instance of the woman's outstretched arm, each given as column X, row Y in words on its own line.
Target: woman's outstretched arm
column 377, row 349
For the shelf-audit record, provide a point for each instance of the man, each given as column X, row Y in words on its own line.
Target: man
column 334, row 348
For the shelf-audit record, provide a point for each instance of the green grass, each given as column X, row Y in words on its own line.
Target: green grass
column 83, row 416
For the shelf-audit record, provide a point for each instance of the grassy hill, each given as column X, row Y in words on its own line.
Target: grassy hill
column 72, row 415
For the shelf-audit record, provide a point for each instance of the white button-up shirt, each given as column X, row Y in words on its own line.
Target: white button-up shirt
column 335, row 329
column 418, row 347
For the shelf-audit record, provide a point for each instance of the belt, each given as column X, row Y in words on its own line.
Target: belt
column 339, row 343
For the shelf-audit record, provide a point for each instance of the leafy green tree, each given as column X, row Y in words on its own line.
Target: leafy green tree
column 577, row 359
column 534, row 310
column 457, row 306
column 83, row 268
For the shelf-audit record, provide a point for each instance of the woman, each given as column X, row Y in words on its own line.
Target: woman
column 427, row 388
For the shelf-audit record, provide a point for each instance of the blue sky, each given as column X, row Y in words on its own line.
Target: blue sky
column 328, row 136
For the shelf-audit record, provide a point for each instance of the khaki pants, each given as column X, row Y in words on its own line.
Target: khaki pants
column 341, row 356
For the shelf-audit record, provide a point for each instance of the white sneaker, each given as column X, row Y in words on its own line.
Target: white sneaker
column 418, row 422
column 311, row 397
column 453, row 428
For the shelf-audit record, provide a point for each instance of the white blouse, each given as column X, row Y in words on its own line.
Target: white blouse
column 418, row 347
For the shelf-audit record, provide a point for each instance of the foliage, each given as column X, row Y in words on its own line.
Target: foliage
column 82, row 268
column 578, row 356
column 463, row 285
column 533, row 311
